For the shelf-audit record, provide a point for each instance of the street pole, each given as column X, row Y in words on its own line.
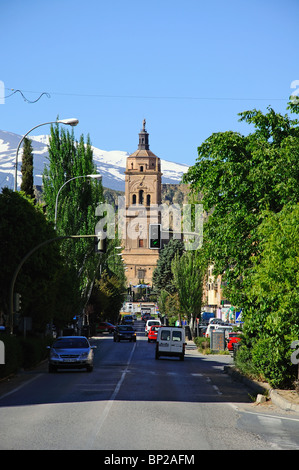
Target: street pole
column 13, row 281
column 71, row 179
column 68, row 122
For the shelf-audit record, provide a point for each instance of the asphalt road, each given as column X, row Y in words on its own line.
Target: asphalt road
column 133, row 402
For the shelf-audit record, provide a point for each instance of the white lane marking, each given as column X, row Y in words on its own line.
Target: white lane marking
column 112, row 398
column 21, row 386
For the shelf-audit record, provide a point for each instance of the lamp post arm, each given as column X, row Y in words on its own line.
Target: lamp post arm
column 71, row 122
column 13, row 281
column 56, row 202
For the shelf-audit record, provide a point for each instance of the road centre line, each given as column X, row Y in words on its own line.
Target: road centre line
column 112, row 398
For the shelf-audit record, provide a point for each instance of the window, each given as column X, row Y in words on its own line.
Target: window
column 176, row 336
column 148, row 200
column 134, row 199
column 165, row 335
column 141, row 168
column 141, row 196
column 140, row 243
column 141, row 273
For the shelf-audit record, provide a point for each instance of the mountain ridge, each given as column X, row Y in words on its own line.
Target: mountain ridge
column 110, row 164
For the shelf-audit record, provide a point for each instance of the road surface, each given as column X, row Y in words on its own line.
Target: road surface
column 133, row 402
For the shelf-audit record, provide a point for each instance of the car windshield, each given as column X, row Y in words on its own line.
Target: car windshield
column 70, row 343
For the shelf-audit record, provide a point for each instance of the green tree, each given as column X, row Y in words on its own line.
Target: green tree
column 240, row 177
column 162, row 275
column 40, row 281
column 271, row 315
column 108, row 296
column 77, row 201
column 188, row 272
column 27, row 169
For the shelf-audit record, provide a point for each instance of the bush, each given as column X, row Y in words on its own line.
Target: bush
column 13, row 355
column 203, row 344
column 22, row 353
column 34, row 351
column 243, row 362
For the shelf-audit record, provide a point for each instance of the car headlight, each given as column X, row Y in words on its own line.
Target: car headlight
column 54, row 355
column 85, row 355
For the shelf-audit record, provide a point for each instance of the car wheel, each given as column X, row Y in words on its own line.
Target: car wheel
column 182, row 357
column 157, row 355
column 89, row 368
column 52, row 368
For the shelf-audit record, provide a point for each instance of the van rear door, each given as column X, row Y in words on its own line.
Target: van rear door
column 176, row 343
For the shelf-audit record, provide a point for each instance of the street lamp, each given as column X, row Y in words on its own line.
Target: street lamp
column 71, row 179
column 68, row 122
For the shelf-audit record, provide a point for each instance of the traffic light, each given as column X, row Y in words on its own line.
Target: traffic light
column 154, row 236
column 17, row 302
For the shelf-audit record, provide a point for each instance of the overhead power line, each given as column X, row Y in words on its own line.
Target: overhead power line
column 147, row 97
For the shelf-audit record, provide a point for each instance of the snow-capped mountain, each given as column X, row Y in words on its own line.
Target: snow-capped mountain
column 110, row 164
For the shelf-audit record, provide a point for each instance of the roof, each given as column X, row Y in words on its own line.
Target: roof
column 143, row 153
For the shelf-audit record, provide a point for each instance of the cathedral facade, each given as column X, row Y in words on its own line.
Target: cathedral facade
column 142, row 198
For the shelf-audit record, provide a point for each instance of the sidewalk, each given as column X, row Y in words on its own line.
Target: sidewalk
column 287, row 400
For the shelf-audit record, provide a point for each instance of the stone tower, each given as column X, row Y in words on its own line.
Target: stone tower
column 142, row 196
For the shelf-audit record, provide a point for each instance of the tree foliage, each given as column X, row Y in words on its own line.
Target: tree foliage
column 188, row 272
column 27, row 169
column 272, row 313
column 250, row 191
column 239, row 178
column 76, row 203
column 163, row 276
column 107, row 298
column 40, row 281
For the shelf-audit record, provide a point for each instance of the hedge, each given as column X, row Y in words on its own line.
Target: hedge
column 22, row 353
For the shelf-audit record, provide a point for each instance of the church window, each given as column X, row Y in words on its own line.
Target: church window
column 134, row 199
column 148, row 200
column 141, row 196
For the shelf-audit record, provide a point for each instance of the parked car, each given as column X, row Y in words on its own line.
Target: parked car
column 71, row 352
column 226, row 328
column 150, row 323
column 105, row 327
column 124, row 332
column 170, row 342
column 153, row 333
column 234, row 337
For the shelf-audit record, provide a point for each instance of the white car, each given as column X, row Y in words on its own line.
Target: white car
column 150, row 323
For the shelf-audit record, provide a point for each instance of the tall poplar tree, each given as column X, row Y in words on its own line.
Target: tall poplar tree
column 77, row 200
column 27, row 169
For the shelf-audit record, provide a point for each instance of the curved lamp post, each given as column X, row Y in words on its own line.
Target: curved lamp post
column 71, row 179
column 68, row 122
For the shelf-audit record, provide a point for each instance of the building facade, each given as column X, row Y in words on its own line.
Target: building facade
column 142, row 198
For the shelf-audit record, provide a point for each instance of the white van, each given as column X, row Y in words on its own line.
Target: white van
column 151, row 322
column 170, row 342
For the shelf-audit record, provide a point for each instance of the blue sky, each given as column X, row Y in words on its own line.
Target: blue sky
column 188, row 67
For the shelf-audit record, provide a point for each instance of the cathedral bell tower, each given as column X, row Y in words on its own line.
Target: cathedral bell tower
column 142, row 196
